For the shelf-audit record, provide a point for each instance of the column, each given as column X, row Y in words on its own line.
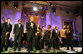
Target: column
column 48, row 18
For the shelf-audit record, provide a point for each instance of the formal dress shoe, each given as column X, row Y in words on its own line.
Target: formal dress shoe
column 47, row 50
column 5, row 49
column 14, row 50
column 72, row 49
column 67, row 49
column 19, row 50
column 1, row 50
column 57, row 49
column 29, row 51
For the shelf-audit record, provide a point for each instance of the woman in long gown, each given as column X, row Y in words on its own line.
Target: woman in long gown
column 42, row 37
column 38, row 37
column 48, row 37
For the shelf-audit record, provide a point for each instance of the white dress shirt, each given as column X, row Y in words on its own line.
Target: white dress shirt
column 19, row 25
column 8, row 23
column 31, row 23
column 56, row 31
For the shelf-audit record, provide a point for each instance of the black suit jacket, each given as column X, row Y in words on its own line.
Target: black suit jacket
column 54, row 34
column 18, row 30
column 30, row 30
column 2, row 27
column 3, row 30
column 69, row 35
column 8, row 28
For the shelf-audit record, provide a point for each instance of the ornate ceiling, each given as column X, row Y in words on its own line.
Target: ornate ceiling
column 70, row 5
column 66, row 4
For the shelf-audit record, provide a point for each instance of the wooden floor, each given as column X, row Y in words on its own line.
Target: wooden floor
column 62, row 49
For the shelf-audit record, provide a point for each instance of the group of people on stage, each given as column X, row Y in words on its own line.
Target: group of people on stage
column 36, row 37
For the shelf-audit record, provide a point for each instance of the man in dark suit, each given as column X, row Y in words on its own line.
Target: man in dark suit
column 31, row 30
column 55, row 37
column 2, row 24
column 69, row 38
column 18, row 32
column 8, row 28
column 2, row 33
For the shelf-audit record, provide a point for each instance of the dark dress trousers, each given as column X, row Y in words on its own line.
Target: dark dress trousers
column 69, row 39
column 3, row 32
column 8, row 28
column 55, row 38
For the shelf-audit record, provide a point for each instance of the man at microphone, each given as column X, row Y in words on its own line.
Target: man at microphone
column 31, row 30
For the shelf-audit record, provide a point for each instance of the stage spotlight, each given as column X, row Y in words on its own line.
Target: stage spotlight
column 35, row 8
column 51, row 5
column 16, row 4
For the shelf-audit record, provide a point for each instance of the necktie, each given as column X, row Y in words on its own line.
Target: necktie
column 8, row 24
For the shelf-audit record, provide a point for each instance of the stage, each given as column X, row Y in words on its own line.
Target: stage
column 44, row 13
column 62, row 50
